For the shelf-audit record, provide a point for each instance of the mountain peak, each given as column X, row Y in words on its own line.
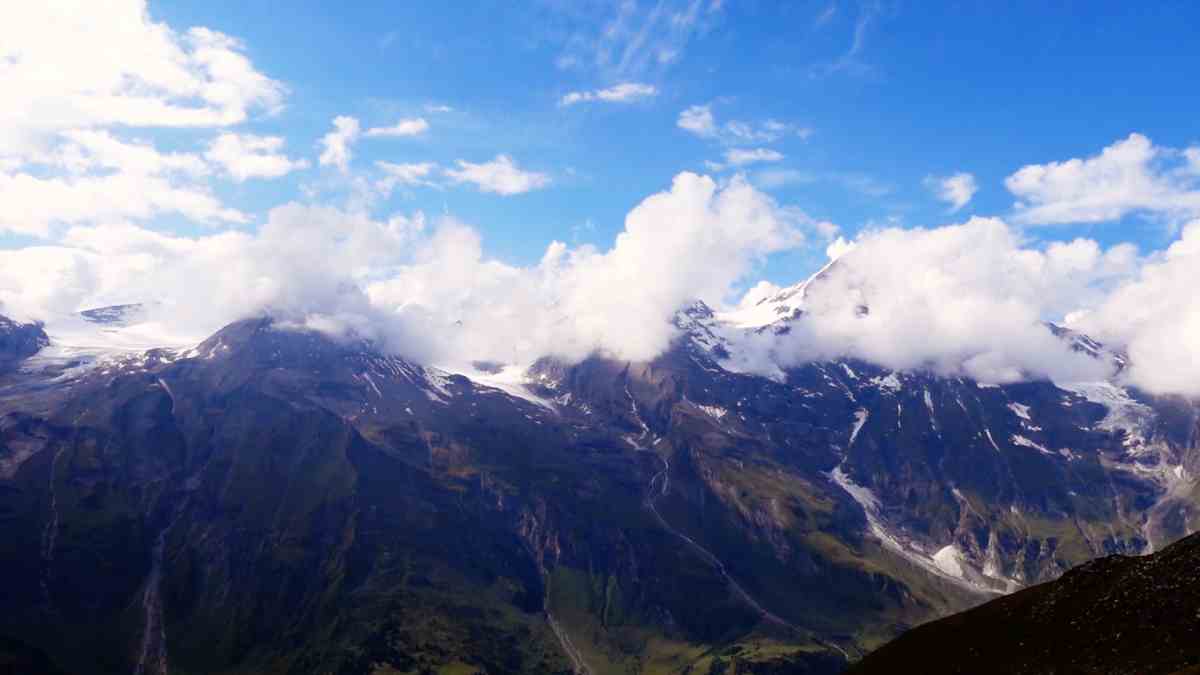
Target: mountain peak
column 19, row 341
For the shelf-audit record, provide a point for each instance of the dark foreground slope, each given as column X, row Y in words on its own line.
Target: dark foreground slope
column 1113, row 615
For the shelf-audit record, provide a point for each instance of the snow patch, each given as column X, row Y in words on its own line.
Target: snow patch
column 949, row 561
column 1021, row 411
column 1026, row 443
column 891, row 383
column 512, row 380
column 860, row 419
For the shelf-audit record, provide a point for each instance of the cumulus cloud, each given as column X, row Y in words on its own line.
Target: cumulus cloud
column 335, row 145
column 84, row 150
column 245, row 156
column 78, row 64
column 968, row 300
column 501, row 176
column 1130, row 176
column 956, row 190
column 303, row 262
column 406, row 127
column 626, row 92
column 578, row 301
column 31, row 205
column 83, row 81
column 430, row 295
column 1155, row 316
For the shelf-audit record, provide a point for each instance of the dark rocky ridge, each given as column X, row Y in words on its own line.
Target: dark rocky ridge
column 19, row 341
column 1115, row 615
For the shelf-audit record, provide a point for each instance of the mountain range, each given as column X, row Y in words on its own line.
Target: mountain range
column 279, row 500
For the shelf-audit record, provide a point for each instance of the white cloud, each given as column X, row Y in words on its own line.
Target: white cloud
column 245, row 156
column 737, row 157
column 1155, row 316
column 501, row 176
column 860, row 183
column 956, row 190
column 414, row 126
column 967, row 299
column 390, row 280
column 1193, row 159
column 79, row 64
column 766, row 132
column 1129, row 176
column 335, row 145
column 85, row 150
column 31, row 205
column 105, row 178
column 82, row 83
column 700, row 121
column 626, row 92
column 304, row 263
column 580, row 300
column 435, row 108
column 418, row 173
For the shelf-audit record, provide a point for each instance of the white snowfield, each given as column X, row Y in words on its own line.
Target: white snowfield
column 90, row 345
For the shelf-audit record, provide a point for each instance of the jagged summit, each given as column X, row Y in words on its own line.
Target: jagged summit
column 779, row 307
column 19, row 341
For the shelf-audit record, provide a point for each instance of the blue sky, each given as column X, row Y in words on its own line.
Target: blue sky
column 892, row 93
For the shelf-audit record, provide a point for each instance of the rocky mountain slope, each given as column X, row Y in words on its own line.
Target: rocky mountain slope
column 275, row 500
column 1113, row 615
column 19, row 341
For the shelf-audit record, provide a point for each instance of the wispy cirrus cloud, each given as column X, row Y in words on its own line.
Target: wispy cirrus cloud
column 413, row 126
column 700, row 121
column 852, row 181
column 739, row 157
column 850, row 61
column 410, row 175
column 630, row 39
column 626, row 92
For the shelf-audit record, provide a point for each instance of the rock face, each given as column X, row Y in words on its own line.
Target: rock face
column 279, row 501
column 1113, row 615
column 19, row 341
